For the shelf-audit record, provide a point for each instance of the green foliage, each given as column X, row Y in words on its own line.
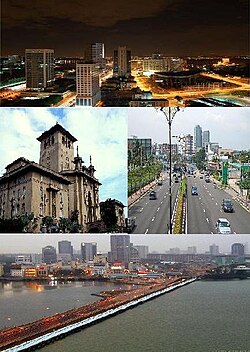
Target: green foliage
column 108, row 214
column 200, row 158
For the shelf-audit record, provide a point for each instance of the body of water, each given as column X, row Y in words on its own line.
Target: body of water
column 205, row 316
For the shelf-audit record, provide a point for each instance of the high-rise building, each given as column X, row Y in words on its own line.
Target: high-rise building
column 205, row 138
column 49, row 255
column 39, row 68
column 141, row 146
column 96, row 52
column 122, row 62
column 65, row 251
column 88, row 251
column 197, row 138
column 214, row 249
column 120, row 247
column 87, row 84
column 238, row 249
column 192, row 250
column 142, row 251
column 188, row 145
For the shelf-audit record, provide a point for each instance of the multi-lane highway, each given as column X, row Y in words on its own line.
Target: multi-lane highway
column 205, row 209
column 152, row 216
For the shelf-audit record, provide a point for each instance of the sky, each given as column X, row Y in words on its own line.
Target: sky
column 174, row 27
column 230, row 127
column 101, row 133
column 159, row 243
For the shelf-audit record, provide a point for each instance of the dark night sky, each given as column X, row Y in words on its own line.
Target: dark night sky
column 173, row 27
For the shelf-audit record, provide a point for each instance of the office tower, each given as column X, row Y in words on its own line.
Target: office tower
column 87, row 84
column 192, row 250
column 120, row 247
column 205, row 138
column 65, row 251
column 39, row 68
column 238, row 249
column 188, row 146
column 49, row 255
column 88, row 251
column 142, row 251
column 214, row 249
column 95, row 52
column 122, row 62
column 197, row 138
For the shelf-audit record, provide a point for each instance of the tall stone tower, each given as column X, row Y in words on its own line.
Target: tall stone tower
column 56, row 149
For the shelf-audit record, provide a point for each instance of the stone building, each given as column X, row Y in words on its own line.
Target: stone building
column 59, row 186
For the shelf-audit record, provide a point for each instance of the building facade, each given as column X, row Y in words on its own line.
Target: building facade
column 197, row 138
column 39, row 68
column 96, row 52
column 87, row 84
column 88, row 251
column 49, row 255
column 122, row 62
column 59, row 186
column 120, row 248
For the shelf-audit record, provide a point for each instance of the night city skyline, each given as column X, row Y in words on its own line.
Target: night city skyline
column 172, row 27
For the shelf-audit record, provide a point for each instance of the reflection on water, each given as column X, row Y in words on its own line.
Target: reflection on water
column 23, row 302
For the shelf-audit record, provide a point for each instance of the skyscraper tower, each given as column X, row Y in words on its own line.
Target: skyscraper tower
column 122, row 62
column 205, row 138
column 120, row 247
column 87, row 84
column 39, row 68
column 197, row 138
column 88, row 251
column 95, row 52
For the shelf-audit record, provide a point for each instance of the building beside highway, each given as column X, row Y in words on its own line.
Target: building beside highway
column 39, row 68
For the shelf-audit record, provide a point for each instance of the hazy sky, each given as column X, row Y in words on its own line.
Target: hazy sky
column 175, row 27
column 230, row 127
column 159, row 243
column 101, row 133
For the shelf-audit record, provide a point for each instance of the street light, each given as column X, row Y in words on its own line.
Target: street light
column 169, row 115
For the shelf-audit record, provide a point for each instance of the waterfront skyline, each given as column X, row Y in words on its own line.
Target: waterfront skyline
column 156, row 243
column 228, row 126
column 175, row 27
column 98, row 132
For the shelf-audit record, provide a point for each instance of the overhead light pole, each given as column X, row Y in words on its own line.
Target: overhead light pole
column 170, row 113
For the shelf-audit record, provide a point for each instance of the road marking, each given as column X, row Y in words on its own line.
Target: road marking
column 141, row 210
column 220, row 210
column 212, row 233
column 210, row 194
column 235, row 233
column 204, row 210
column 165, row 196
column 161, row 201
column 199, row 198
column 207, row 220
column 146, row 203
column 216, row 203
column 201, row 203
column 153, row 218
column 212, row 198
column 158, row 209
column 146, row 232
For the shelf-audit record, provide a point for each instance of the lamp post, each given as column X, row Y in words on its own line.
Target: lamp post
column 170, row 113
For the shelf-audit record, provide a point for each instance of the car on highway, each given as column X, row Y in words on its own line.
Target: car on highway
column 152, row 195
column 223, row 227
column 207, row 179
column 194, row 191
column 201, row 176
column 176, row 180
column 227, row 206
column 159, row 183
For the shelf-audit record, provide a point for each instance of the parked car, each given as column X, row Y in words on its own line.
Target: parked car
column 227, row 206
column 223, row 227
column 194, row 191
column 152, row 195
